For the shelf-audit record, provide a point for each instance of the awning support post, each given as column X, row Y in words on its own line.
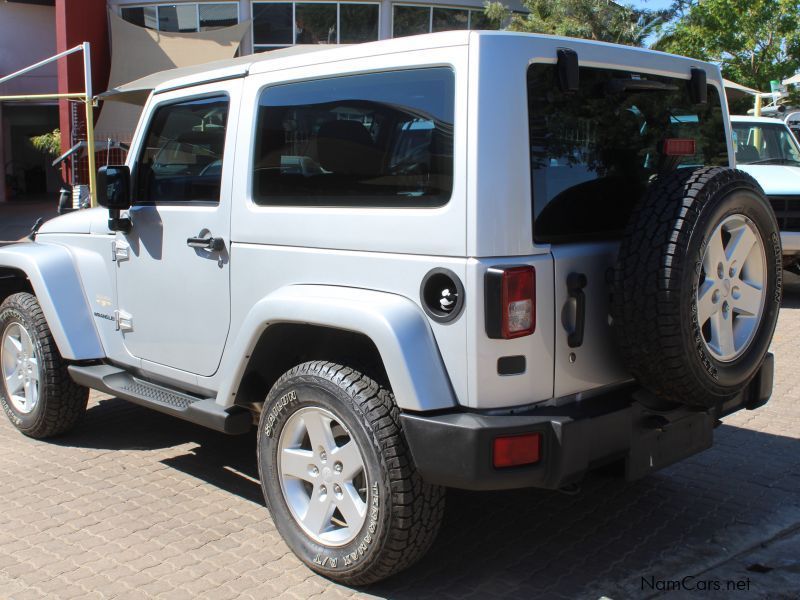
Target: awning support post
column 90, row 147
column 86, row 97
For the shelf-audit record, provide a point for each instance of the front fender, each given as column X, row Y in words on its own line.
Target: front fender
column 395, row 325
column 58, row 289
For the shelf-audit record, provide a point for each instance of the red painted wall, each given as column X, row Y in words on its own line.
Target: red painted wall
column 80, row 21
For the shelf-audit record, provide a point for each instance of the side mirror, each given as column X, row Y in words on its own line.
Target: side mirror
column 114, row 192
column 114, row 187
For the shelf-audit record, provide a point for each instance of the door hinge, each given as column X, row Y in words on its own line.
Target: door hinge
column 120, row 250
column 123, row 320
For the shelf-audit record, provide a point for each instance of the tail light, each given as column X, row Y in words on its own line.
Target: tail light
column 510, row 302
column 517, row 450
column 679, row 147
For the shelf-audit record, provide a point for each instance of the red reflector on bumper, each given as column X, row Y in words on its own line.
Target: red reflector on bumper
column 516, row 450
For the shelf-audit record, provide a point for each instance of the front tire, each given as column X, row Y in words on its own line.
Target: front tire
column 338, row 477
column 36, row 392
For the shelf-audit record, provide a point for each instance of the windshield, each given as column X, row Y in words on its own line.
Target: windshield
column 765, row 144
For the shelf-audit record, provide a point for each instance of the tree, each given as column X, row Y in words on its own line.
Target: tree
column 602, row 20
column 48, row 143
column 754, row 41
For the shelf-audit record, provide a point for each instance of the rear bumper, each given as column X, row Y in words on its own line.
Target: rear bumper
column 455, row 449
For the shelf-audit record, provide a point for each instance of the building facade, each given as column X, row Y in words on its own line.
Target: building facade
column 277, row 24
column 27, row 35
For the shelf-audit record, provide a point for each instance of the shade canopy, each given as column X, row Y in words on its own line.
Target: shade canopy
column 794, row 79
column 734, row 90
column 138, row 55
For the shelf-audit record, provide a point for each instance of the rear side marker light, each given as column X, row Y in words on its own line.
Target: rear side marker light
column 517, row 450
column 679, row 147
column 510, row 299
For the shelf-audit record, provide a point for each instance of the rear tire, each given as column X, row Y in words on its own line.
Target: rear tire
column 693, row 309
column 36, row 392
column 378, row 516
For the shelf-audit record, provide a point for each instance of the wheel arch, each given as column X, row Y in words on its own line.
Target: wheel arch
column 384, row 335
column 48, row 272
column 13, row 281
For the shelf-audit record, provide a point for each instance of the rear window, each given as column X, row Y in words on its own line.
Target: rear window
column 380, row 139
column 594, row 151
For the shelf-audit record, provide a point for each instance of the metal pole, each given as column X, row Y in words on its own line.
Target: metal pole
column 41, row 63
column 87, row 74
column 76, row 96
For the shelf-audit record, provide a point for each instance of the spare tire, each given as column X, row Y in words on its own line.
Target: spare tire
column 697, row 285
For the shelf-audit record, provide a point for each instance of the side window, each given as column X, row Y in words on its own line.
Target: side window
column 381, row 139
column 181, row 160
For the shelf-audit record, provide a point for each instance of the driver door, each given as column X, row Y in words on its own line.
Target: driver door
column 173, row 265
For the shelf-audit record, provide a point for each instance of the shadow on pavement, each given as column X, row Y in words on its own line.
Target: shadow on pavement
column 525, row 543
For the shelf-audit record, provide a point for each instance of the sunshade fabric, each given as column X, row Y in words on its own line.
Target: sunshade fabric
column 735, row 90
column 792, row 80
column 137, row 52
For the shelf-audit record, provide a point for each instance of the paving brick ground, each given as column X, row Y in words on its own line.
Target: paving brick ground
column 134, row 504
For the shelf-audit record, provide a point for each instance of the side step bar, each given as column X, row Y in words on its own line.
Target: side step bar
column 202, row 411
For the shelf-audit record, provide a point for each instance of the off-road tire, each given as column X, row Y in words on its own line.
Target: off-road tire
column 404, row 513
column 653, row 306
column 62, row 403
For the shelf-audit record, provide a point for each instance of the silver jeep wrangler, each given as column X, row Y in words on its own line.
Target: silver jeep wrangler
column 470, row 259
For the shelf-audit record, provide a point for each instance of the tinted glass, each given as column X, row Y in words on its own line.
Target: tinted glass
column 182, row 157
column 594, row 152
column 383, row 139
column 478, row 20
column 358, row 23
column 315, row 23
column 177, row 17
column 272, row 23
column 144, row 16
column 259, row 49
column 446, row 19
column 411, row 20
column 764, row 144
column 213, row 16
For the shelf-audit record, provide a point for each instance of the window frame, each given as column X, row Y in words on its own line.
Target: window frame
column 257, row 47
column 142, row 147
column 350, row 206
column 430, row 7
column 156, row 5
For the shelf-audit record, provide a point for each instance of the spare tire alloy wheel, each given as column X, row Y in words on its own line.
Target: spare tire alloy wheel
column 338, row 478
column 697, row 285
column 731, row 290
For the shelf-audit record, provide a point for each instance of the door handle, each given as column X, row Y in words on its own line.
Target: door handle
column 575, row 284
column 215, row 244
